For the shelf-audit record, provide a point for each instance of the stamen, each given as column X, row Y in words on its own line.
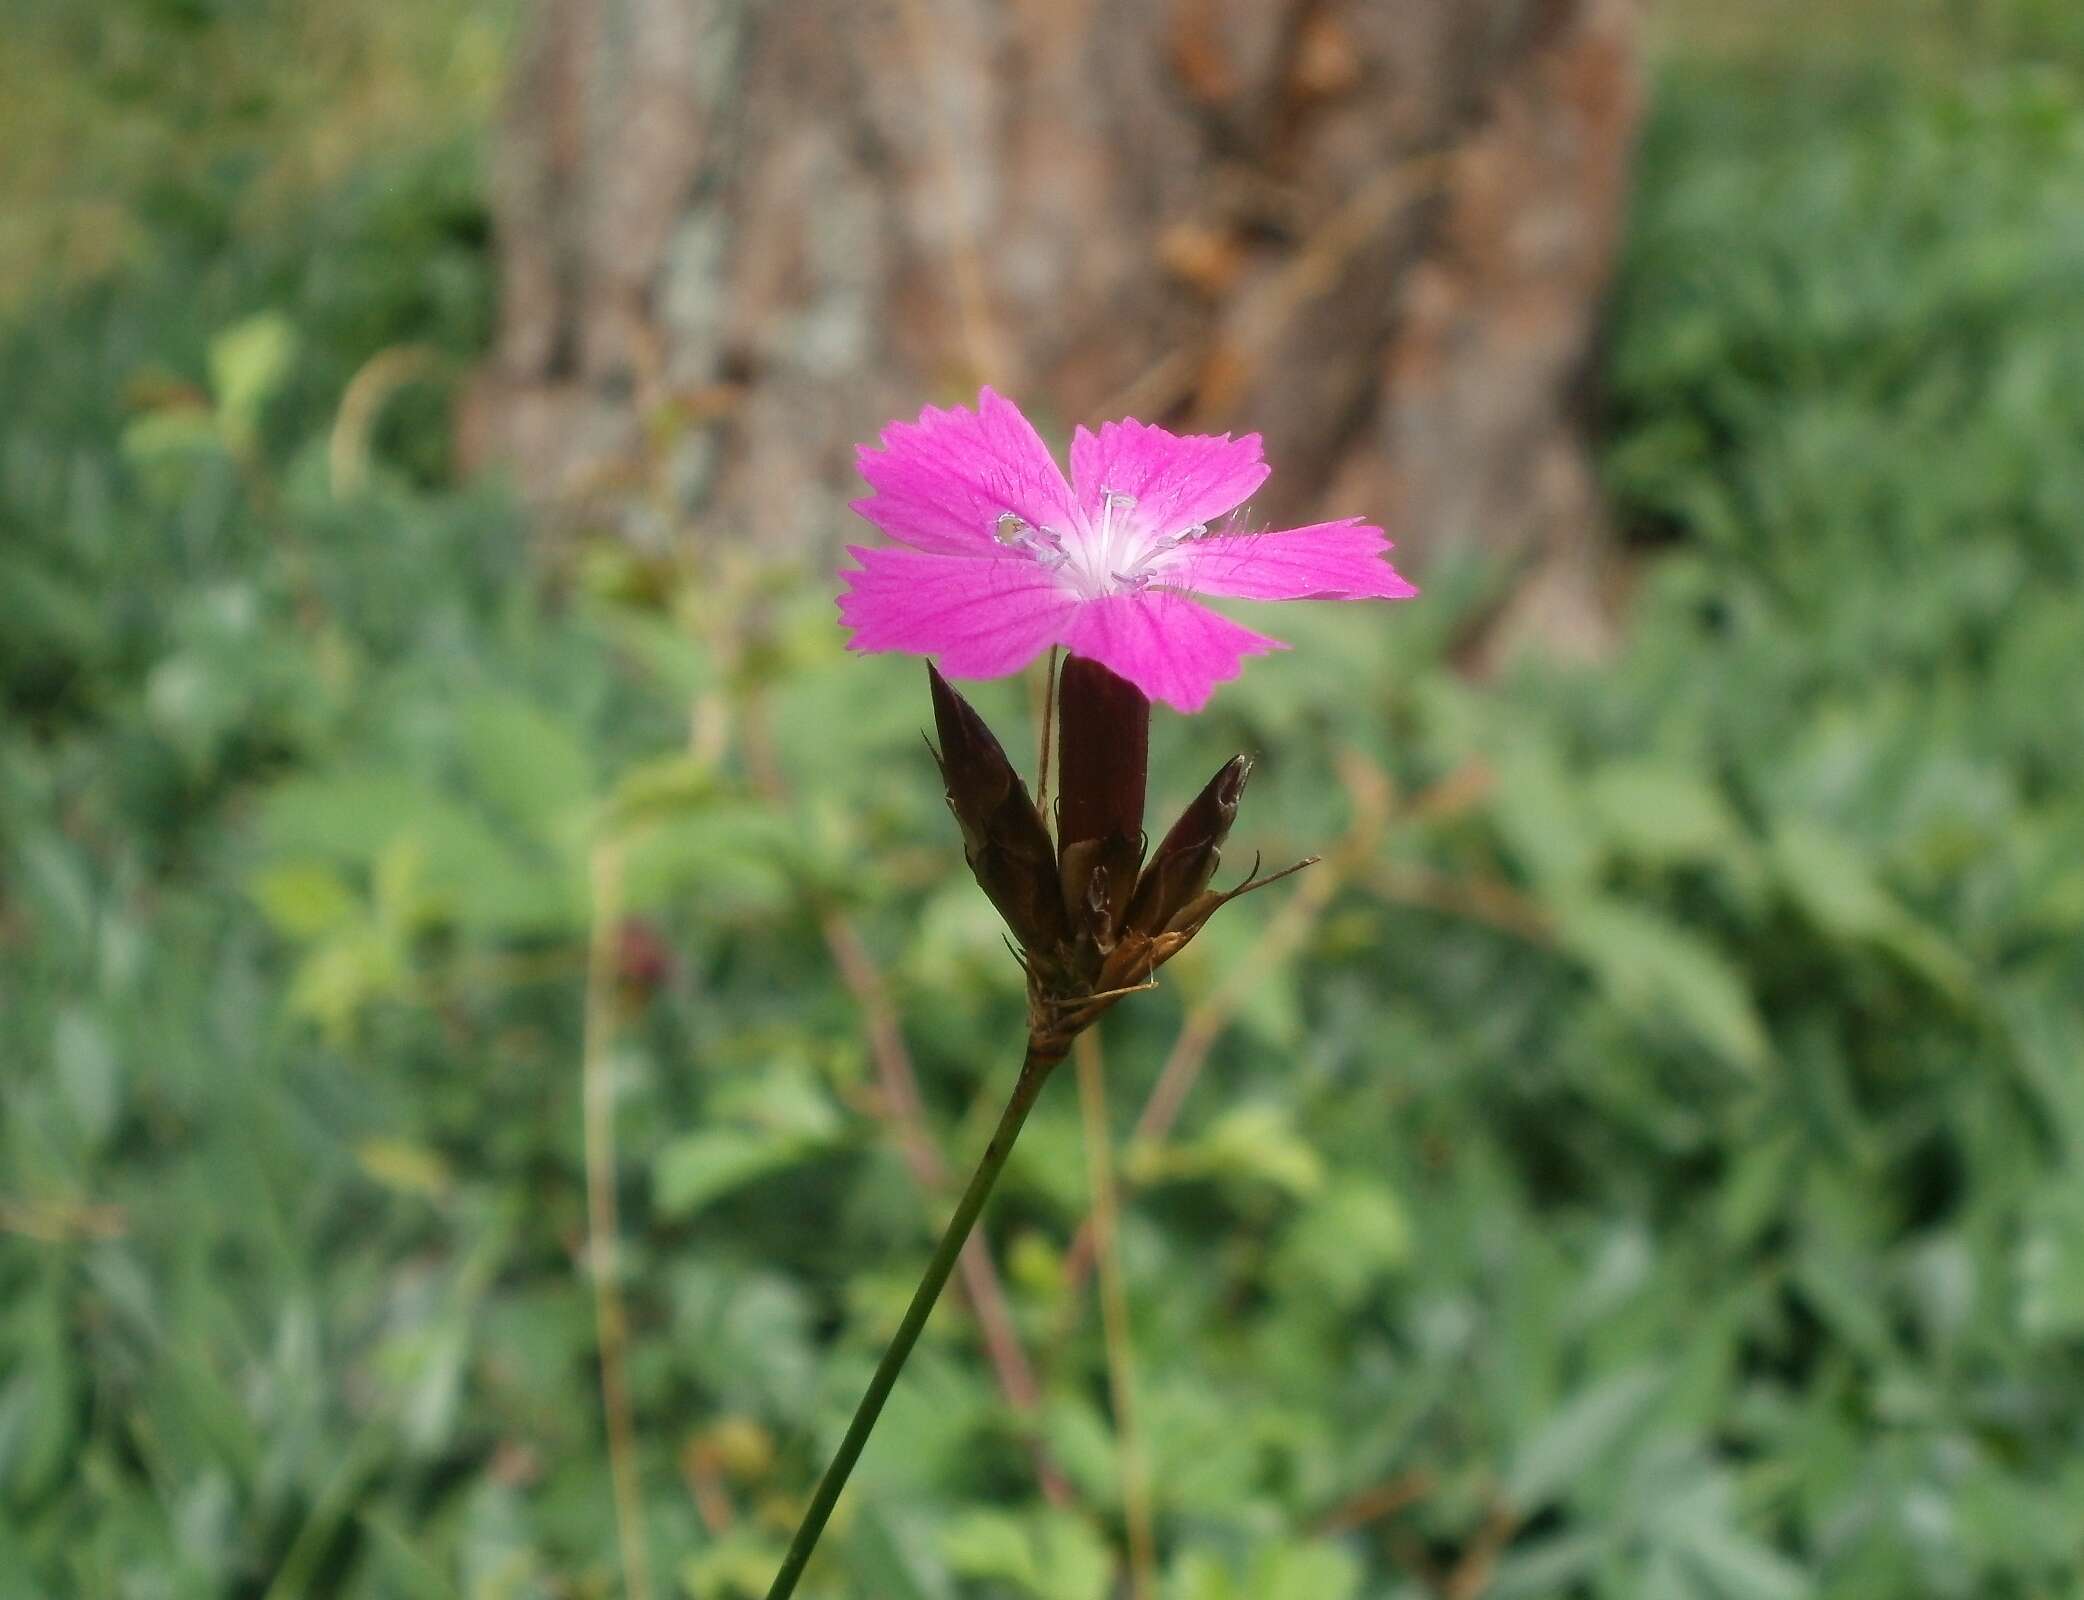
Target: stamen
column 1015, row 532
column 1116, row 540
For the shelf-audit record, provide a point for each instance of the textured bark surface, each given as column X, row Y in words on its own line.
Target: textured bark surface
column 1378, row 233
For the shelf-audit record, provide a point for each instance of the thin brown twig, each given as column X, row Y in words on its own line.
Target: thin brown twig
column 63, row 1221
column 1371, row 1505
column 1497, row 905
column 611, row 1322
column 905, row 1112
column 1114, row 1316
column 705, row 1486
column 1472, row 1574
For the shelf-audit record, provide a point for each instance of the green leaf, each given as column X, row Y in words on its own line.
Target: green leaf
column 1657, row 970
column 528, row 766
column 163, row 444
column 1542, row 816
column 1661, row 814
column 346, row 816
column 737, row 1566
column 992, row 1544
column 1347, row 1239
column 1827, row 878
column 1549, row 1567
column 700, row 1167
column 404, row 1166
column 1264, row 997
column 729, row 855
column 894, row 1557
column 788, row 1100
column 342, row 974
column 746, row 1334
column 1316, row 1571
column 39, row 1416
column 665, row 789
column 1737, row 1568
column 1198, row 1575
column 2051, row 1267
column 89, row 1074
column 1050, row 1555
column 1248, row 1144
column 1578, row 1438
column 1075, row 1561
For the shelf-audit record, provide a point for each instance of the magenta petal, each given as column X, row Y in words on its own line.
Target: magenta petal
column 1177, row 481
column 1326, row 561
column 982, row 618
column 943, row 482
column 1169, row 647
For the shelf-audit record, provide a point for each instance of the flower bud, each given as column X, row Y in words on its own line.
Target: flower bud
column 1187, row 857
column 1003, row 837
column 1091, row 926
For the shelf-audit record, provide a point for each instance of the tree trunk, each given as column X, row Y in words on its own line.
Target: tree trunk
column 1376, row 231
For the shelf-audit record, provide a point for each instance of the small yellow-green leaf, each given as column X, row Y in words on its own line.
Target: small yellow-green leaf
column 303, row 899
column 403, row 1165
column 248, row 362
column 1253, row 1143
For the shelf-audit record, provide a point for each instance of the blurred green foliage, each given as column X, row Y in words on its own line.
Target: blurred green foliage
column 111, row 113
column 1659, row 1172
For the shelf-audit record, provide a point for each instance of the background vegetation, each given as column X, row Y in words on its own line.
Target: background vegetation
column 1647, row 1160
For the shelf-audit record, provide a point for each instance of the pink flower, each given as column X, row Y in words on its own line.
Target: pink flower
column 1003, row 558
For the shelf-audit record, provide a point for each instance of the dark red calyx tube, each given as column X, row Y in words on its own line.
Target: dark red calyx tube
column 1103, row 754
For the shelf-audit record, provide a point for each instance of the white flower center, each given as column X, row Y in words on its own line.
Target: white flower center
column 1115, row 552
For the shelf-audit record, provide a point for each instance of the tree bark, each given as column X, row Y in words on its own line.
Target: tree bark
column 738, row 235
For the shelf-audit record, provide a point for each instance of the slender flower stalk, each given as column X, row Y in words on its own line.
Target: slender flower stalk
column 603, row 1230
column 1034, row 1072
column 1003, row 560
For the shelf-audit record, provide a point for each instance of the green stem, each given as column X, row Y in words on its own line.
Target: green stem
column 1034, row 1072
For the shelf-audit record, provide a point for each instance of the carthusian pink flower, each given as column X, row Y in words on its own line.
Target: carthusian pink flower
column 1003, row 558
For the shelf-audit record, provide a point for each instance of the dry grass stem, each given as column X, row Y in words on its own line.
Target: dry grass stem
column 1385, row 1499
column 362, row 403
column 611, row 1323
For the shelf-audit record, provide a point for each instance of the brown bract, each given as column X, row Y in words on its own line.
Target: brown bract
column 1094, row 920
